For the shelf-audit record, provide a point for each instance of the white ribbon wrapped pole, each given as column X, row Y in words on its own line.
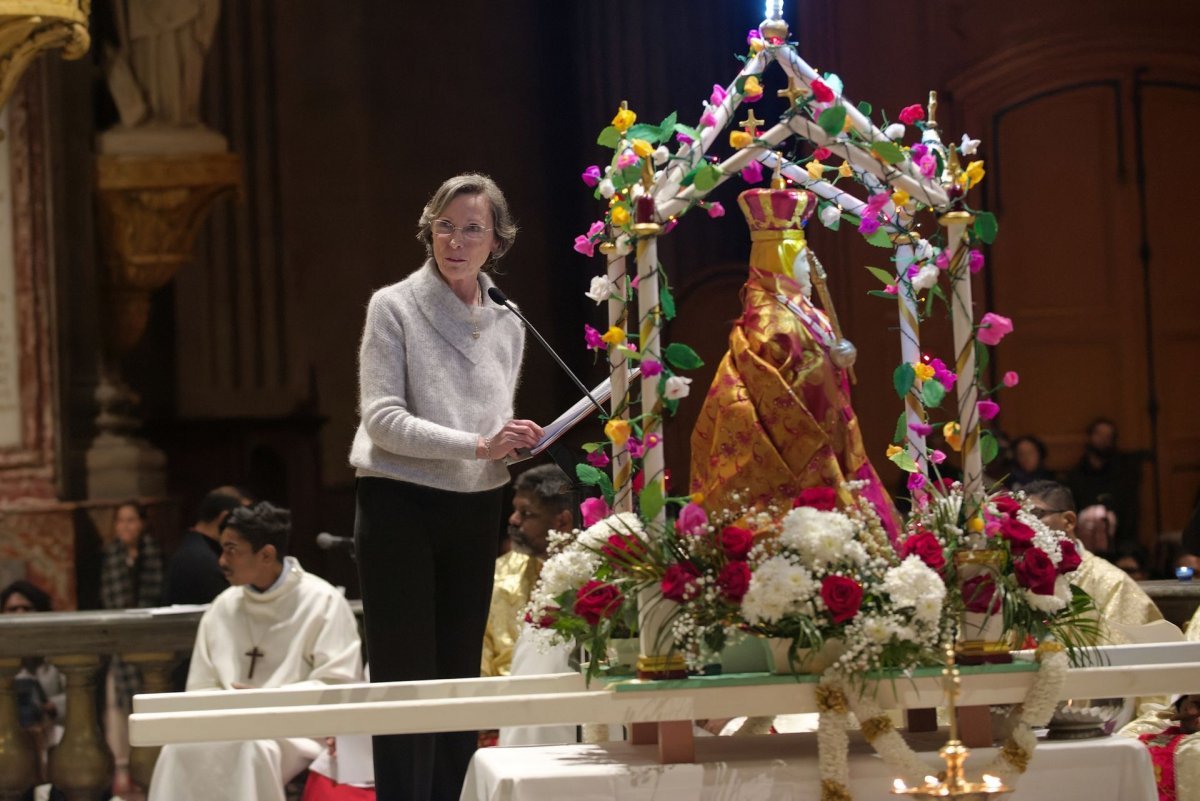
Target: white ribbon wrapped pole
column 618, row 281
column 962, row 316
column 910, row 349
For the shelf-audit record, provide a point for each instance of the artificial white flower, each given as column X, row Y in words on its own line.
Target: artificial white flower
column 830, row 215
column 926, row 277
column 1044, row 603
column 968, row 146
column 621, row 523
column 677, row 387
column 895, row 131
column 600, row 289
column 624, row 245
column 661, row 154
column 607, row 189
column 924, row 251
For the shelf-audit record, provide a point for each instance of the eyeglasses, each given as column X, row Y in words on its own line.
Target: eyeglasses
column 1042, row 514
column 474, row 232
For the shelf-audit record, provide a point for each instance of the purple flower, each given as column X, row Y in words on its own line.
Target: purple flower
column 670, row 226
column 692, row 519
column 918, row 151
column 921, row 429
column 718, row 95
column 943, row 260
column 915, row 481
column 753, row 33
column 598, row 458
column 591, row 338
column 868, row 226
column 650, row 368
column 591, row 176
column 912, row 271
column 891, row 289
column 752, row 172
column 635, row 447
column 975, row 260
column 715, row 209
column 987, row 409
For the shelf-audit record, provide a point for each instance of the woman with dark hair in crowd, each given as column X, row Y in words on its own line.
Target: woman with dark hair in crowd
column 1028, row 463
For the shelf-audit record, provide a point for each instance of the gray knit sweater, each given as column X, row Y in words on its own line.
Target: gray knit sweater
column 428, row 389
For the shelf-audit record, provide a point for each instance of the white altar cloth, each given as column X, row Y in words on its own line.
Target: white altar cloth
column 784, row 768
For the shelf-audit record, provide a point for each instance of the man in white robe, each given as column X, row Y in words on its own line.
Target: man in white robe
column 275, row 626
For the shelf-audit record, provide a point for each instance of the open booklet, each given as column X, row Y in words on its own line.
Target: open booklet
column 571, row 418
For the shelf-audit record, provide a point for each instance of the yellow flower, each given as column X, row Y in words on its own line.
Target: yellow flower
column 893, row 450
column 815, row 169
column 847, row 123
column 615, row 335
column 739, row 139
column 620, row 216
column 617, row 431
column 697, row 497
column 642, row 148
column 924, row 371
column 623, row 120
column 845, row 171
column 900, row 197
column 974, row 173
column 757, row 45
column 975, row 524
column 751, row 87
column 952, row 431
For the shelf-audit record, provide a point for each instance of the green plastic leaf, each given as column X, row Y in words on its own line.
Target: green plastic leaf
column 667, row 126
column 690, row 178
column 880, row 239
column 609, row 137
column 630, row 175
column 932, row 393
column 707, row 177
column 989, row 448
column 670, row 405
column 888, row 151
column 883, row 275
column 853, row 219
column 589, row 475
column 666, row 302
column 864, row 108
column 682, row 357
column 904, row 461
column 592, row 447
column 901, row 428
column 929, row 305
column 832, row 119
column 879, row 293
column 687, row 131
column 651, row 500
column 902, row 379
column 982, row 357
column 986, row 226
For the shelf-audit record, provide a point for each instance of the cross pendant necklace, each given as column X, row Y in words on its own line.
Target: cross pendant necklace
column 254, row 655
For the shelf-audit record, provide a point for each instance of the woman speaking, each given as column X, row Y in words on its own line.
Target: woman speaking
column 438, row 369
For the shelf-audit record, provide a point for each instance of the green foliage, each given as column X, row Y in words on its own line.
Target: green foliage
column 610, row 137
column 832, row 119
column 901, row 428
column 651, row 500
column 864, row 108
column 883, row 275
column 989, row 448
column 986, row 227
column 682, row 357
column 903, row 378
column 666, row 302
column 904, row 461
column 888, row 151
column 595, row 477
column 932, row 393
column 880, row 239
column 707, row 177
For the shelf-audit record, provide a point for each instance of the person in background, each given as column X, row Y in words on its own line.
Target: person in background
column 438, row 371
column 1028, row 463
column 193, row 575
column 131, row 577
column 1106, row 484
column 1134, row 560
column 40, row 688
column 1172, row 735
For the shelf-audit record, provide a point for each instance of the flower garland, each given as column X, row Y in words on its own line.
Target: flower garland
column 833, row 703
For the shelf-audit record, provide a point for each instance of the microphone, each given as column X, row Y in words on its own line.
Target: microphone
column 328, row 542
column 501, row 299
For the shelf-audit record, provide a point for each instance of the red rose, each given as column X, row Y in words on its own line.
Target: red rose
column 734, row 580
column 1019, row 535
column 678, row 581
column 1070, row 558
column 1006, row 504
column 736, row 542
column 927, row 547
column 624, row 550
column 822, row 498
column 821, row 91
column 910, row 114
column 842, row 596
column 543, row 622
column 979, row 594
column 1035, row 571
column 597, row 600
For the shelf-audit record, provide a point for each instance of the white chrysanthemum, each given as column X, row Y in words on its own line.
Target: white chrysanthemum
column 820, row 538
column 911, row 581
column 875, row 628
column 568, row 570
column 777, row 587
column 928, row 608
column 597, row 534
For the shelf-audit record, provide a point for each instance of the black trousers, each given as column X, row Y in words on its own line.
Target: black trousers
column 426, row 558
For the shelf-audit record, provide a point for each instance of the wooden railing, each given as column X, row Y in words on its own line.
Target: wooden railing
column 79, row 644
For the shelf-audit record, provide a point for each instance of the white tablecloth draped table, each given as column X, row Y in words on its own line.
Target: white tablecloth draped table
column 784, row 768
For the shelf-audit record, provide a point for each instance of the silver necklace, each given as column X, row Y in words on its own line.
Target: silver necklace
column 475, row 315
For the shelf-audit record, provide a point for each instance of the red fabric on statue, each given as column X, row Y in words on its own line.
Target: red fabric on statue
column 323, row 788
column 1162, row 747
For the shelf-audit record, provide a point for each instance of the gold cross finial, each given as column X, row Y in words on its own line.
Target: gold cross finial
column 624, row 105
column 792, row 92
column 933, row 103
column 750, row 124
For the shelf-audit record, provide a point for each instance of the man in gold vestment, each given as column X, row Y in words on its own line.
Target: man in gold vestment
column 777, row 418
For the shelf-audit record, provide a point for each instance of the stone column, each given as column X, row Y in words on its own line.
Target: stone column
column 156, row 678
column 18, row 758
column 81, row 765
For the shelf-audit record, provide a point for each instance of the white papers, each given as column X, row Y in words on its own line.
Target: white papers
column 572, row 417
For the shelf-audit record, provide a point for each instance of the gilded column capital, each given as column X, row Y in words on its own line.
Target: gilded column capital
column 28, row 27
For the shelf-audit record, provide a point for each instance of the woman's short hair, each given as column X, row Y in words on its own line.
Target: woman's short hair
column 470, row 183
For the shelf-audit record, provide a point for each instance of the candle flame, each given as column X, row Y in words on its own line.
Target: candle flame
column 991, row 781
column 899, row 786
column 931, row 780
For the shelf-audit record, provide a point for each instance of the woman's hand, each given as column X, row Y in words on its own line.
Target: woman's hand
column 515, row 434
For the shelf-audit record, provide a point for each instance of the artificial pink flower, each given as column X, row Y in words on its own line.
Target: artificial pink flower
column 626, row 160
column 1011, row 379
column 593, row 510
column 877, row 201
column 987, row 409
column 652, row 440
column 910, row 114
column 715, row 209
column 634, row 282
column 692, row 519
column 651, row 368
column 670, row 226
column 927, row 165
column 635, row 447
column 708, row 119
column 821, row 92
column 921, row 429
column 916, row 481
column 598, row 458
column 891, row 289
column 591, row 176
column 752, row 34
column 591, row 338
column 943, row 260
column 683, row 138
column 752, row 172
column 975, row 260
column 822, row 154
column 718, row 95
column 585, row 246
column 936, row 456
column 868, row 226
column 596, row 228
column 993, row 328
column 919, row 150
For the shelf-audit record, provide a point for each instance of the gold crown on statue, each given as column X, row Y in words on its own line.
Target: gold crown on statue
column 777, row 209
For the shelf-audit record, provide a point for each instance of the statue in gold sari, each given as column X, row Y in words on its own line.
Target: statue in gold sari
column 777, row 418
